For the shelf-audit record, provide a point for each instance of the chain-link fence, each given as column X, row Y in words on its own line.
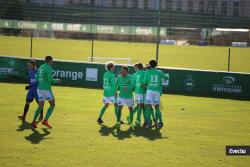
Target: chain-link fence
column 79, row 29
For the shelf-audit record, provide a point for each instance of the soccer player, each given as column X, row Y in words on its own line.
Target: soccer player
column 109, row 90
column 139, row 91
column 125, row 87
column 32, row 90
column 153, row 81
column 44, row 92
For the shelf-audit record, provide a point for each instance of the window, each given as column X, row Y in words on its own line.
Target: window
column 169, row 4
column 124, row 3
column 134, row 3
column 179, row 5
column 190, row 5
column 201, row 6
column 92, row 2
column 113, row 3
column 224, row 7
column 236, row 9
column 145, row 4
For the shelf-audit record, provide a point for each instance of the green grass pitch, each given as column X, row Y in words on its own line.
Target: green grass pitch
column 196, row 57
column 196, row 132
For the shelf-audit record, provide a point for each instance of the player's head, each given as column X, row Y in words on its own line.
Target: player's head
column 148, row 67
column 136, row 66
column 32, row 64
column 124, row 70
column 110, row 66
column 153, row 63
column 139, row 66
column 49, row 60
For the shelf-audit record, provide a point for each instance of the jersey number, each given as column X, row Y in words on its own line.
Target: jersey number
column 154, row 78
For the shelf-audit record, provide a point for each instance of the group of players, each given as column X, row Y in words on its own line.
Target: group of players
column 147, row 86
column 39, row 88
column 146, row 83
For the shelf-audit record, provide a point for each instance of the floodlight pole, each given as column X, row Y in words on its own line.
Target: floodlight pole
column 158, row 30
column 92, row 40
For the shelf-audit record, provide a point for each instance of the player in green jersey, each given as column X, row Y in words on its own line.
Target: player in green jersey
column 125, row 87
column 109, row 90
column 153, row 81
column 139, row 91
column 44, row 92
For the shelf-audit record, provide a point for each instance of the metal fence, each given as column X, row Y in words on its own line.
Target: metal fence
column 191, row 22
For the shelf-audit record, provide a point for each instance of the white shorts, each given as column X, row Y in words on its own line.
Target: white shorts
column 139, row 98
column 110, row 99
column 125, row 102
column 152, row 97
column 44, row 95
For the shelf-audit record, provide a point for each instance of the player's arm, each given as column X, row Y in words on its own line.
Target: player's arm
column 145, row 80
column 164, row 76
column 113, row 84
column 50, row 77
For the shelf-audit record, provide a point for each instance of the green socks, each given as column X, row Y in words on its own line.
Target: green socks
column 119, row 114
column 38, row 111
column 138, row 118
column 102, row 111
column 158, row 115
column 49, row 112
column 131, row 116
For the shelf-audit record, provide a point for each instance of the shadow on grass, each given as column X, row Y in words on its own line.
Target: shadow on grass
column 24, row 126
column 36, row 137
column 150, row 134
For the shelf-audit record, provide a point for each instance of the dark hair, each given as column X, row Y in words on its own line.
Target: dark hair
column 140, row 66
column 136, row 65
column 48, row 58
column 148, row 66
column 109, row 66
column 33, row 62
column 125, row 68
column 153, row 63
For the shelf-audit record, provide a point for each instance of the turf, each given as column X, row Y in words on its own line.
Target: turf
column 197, row 57
column 196, row 132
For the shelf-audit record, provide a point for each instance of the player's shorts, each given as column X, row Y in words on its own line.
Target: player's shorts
column 44, row 95
column 152, row 97
column 110, row 99
column 125, row 102
column 31, row 95
column 139, row 98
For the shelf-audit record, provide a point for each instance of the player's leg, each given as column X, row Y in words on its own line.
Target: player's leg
column 29, row 99
column 138, row 117
column 37, row 112
column 41, row 114
column 50, row 97
column 104, row 108
column 140, row 101
column 158, row 113
column 25, row 110
column 148, row 106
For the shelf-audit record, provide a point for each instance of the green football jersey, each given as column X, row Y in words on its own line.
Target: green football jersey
column 138, row 82
column 44, row 77
column 109, row 84
column 153, row 79
column 125, row 86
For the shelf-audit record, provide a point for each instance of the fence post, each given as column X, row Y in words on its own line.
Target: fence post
column 31, row 45
column 158, row 30
column 228, row 62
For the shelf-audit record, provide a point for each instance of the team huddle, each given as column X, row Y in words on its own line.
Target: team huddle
column 147, row 86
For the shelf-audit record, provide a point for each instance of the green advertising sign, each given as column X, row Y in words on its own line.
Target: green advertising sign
column 188, row 82
column 84, row 28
